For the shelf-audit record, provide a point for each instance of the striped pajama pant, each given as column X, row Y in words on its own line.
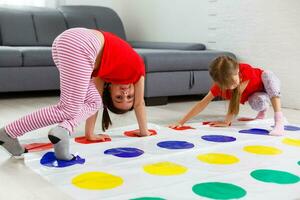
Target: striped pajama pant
column 74, row 53
column 260, row 101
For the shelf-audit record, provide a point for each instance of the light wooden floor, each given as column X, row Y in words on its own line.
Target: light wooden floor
column 18, row 182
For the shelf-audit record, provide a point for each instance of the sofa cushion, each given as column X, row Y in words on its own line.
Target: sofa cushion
column 168, row 45
column 75, row 20
column 36, row 56
column 17, row 28
column 177, row 60
column 95, row 17
column 10, row 57
column 49, row 23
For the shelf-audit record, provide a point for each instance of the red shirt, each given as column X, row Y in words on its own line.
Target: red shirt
column 255, row 83
column 120, row 64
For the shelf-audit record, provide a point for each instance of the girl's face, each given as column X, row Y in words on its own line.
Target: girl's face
column 235, row 82
column 232, row 83
column 122, row 95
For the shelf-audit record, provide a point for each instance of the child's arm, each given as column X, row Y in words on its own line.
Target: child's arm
column 139, row 107
column 225, row 123
column 229, row 117
column 91, row 121
column 195, row 110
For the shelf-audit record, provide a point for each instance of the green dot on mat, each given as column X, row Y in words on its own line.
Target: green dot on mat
column 299, row 163
column 217, row 190
column 148, row 198
column 274, row 176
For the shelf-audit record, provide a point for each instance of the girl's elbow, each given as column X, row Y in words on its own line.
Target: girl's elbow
column 139, row 103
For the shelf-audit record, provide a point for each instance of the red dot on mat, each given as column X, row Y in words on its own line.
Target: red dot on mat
column 183, row 128
column 245, row 119
column 33, row 147
column 84, row 140
column 132, row 134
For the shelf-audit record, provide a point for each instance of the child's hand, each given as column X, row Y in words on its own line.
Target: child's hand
column 98, row 137
column 176, row 125
column 141, row 134
column 219, row 124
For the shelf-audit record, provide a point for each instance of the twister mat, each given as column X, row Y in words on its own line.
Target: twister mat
column 193, row 162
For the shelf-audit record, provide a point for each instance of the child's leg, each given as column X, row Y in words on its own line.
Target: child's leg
column 91, row 102
column 12, row 145
column 59, row 136
column 272, row 87
column 75, row 66
column 260, row 102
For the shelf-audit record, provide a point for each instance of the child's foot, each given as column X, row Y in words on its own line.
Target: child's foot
column 261, row 114
column 59, row 137
column 279, row 126
column 11, row 145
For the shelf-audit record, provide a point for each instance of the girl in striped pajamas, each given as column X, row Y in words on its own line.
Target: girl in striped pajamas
column 97, row 69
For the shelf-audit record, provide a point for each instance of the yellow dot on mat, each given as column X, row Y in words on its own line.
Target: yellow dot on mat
column 97, row 181
column 263, row 150
column 218, row 158
column 291, row 141
column 165, row 169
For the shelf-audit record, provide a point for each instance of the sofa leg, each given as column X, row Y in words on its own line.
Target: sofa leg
column 155, row 101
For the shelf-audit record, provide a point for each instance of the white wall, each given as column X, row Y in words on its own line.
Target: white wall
column 107, row 3
column 263, row 33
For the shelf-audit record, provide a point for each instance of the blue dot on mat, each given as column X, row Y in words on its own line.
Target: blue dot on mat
column 50, row 160
column 290, row 128
column 218, row 138
column 175, row 145
column 124, row 152
column 255, row 131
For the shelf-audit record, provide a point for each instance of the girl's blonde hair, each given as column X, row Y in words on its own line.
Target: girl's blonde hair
column 222, row 69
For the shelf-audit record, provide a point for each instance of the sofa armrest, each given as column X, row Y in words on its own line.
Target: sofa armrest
column 168, row 45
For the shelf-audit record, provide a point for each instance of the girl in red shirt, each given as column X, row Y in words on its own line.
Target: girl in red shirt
column 240, row 83
column 119, row 76
column 96, row 69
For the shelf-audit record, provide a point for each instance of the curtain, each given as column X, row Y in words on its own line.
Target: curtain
column 39, row 3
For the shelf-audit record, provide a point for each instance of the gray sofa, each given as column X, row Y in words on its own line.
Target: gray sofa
column 26, row 35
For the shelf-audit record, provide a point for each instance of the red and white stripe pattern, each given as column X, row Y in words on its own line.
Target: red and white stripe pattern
column 74, row 53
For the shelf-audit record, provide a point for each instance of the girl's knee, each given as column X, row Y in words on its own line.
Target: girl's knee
column 271, row 84
column 259, row 101
column 69, row 111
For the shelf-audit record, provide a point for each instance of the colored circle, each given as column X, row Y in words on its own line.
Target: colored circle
column 84, row 140
column 218, row 190
column 34, row 147
column 291, row 128
column 245, row 119
column 132, row 133
column 175, row 145
column 165, row 169
column 274, row 176
column 263, row 150
column 218, row 158
column 182, row 128
column 291, row 142
column 148, row 198
column 97, row 181
column 218, row 138
column 299, row 163
column 255, row 131
column 50, row 160
column 124, row 152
